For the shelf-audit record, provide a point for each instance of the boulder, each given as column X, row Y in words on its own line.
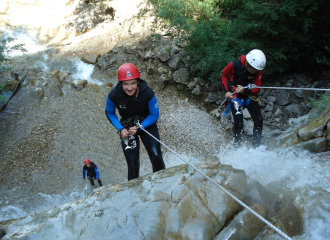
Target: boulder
column 163, row 55
column 39, row 92
column 271, row 99
column 181, row 76
column 191, row 85
column 245, row 226
column 310, row 131
column 315, row 145
column 60, row 76
column 91, row 58
column 79, row 84
column 164, row 78
column 311, row 136
column 213, row 96
column 176, row 203
column 197, row 90
column 303, row 94
column 282, row 98
column 174, row 62
column 148, row 55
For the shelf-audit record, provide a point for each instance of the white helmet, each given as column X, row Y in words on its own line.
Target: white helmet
column 256, row 58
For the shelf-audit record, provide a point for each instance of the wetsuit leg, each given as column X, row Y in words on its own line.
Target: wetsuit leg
column 132, row 154
column 153, row 147
column 255, row 112
column 100, row 182
column 91, row 179
column 237, row 111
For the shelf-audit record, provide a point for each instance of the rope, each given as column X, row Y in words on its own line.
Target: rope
column 251, row 86
column 223, row 189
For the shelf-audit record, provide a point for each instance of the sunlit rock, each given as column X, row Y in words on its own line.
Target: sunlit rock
column 315, row 145
column 177, row 202
column 39, row 92
column 91, row 58
column 311, row 136
column 79, row 84
column 245, row 225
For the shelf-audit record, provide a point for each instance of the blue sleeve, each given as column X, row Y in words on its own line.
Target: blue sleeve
column 83, row 173
column 97, row 173
column 110, row 110
column 153, row 113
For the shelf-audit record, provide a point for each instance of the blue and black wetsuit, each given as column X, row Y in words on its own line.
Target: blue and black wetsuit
column 92, row 172
column 144, row 106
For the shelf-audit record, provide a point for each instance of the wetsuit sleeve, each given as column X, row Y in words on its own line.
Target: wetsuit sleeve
column 153, row 113
column 97, row 172
column 84, row 173
column 228, row 70
column 110, row 110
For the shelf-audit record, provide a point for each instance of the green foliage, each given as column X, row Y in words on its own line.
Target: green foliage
column 5, row 49
column 292, row 33
column 2, row 89
column 321, row 103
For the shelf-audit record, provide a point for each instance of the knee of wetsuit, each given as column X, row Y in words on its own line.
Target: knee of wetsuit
column 238, row 125
column 258, row 120
column 156, row 158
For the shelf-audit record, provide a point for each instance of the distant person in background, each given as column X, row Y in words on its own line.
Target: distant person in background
column 135, row 101
column 92, row 172
column 246, row 70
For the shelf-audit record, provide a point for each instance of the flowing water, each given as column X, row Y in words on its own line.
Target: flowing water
column 79, row 130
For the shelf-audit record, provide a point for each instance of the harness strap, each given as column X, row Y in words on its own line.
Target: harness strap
column 230, row 101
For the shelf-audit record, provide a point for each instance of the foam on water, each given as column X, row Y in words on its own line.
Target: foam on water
column 294, row 169
column 84, row 71
column 41, row 202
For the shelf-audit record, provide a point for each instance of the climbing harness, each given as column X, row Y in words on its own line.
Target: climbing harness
column 222, row 188
column 230, row 101
column 243, row 104
column 252, row 86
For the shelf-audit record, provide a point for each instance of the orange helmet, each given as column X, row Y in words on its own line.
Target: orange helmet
column 128, row 71
column 87, row 161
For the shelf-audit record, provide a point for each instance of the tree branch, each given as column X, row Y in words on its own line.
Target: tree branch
column 199, row 12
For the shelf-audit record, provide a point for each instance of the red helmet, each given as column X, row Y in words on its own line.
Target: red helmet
column 128, row 71
column 87, row 161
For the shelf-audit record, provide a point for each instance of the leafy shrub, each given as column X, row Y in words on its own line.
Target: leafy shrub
column 320, row 103
column 5, row 49
column 2, row 88
column 293, row 34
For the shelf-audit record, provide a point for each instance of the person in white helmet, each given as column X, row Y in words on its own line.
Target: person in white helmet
column 247, row 69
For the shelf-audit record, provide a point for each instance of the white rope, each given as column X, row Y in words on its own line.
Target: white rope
column 223, row 189
column 251, row 86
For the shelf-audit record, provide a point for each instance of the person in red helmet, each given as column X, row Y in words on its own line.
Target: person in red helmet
column 92, row 172
column 135, row 101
